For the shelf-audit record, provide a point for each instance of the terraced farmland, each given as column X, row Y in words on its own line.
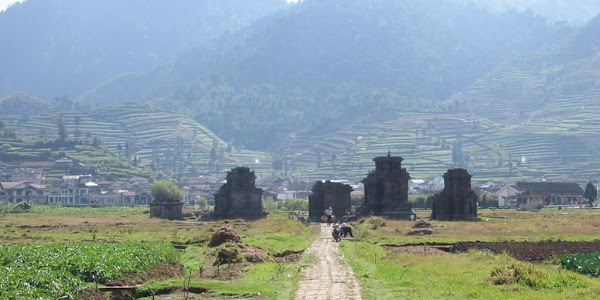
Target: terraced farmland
column 168, row 141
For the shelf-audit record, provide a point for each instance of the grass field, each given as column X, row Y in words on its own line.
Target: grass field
column 382, row 274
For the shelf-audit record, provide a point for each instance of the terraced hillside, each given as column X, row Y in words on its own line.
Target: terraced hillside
column 24, row 153
column 152, row 138
column 490, row 150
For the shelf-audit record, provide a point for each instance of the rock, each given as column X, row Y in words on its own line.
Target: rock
column 421, row 231
column 224, row 235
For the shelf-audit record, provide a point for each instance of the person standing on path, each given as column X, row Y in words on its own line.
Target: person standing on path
column 329, row 213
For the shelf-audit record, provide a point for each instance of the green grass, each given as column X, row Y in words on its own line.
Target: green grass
column 387, row 275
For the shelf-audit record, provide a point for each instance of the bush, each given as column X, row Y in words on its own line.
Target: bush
column 523, row 275
column 165, row 190
column 295, row 204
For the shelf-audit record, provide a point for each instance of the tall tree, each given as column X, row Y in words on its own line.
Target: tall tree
column 77, row 131
column 277, row 165
column 63, row 134
column 591, row 193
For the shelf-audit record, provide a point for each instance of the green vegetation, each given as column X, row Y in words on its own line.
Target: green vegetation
column 50, row 271
column 473, row 275
column 588, row 264
column 590, row 193
column 49, row 227
column 165, row 190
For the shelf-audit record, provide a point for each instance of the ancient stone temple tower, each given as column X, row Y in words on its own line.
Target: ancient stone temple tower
column 329, row 194
column 457, row 202
column 239, row 197
column 386, row 189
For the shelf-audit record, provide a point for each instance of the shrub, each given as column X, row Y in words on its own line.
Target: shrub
column 523, row 275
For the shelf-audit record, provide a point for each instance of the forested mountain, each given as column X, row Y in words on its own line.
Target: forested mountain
column 52, row 48
column 323, row 63
column 572, row 11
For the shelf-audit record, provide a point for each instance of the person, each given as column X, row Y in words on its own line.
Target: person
column 336, row 233
column 328, row 214
column 300, row 216
column 346, row 230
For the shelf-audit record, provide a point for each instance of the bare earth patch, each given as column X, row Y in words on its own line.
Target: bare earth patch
column 418, row 250
column 159, row 272
column 531, row 251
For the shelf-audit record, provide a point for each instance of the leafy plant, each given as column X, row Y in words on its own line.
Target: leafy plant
column 52, row 271
column 588, row 264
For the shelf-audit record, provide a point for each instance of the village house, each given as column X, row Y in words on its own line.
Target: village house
column 415, row 186
column 26, row 174
column 71, row 194
column 433, row 185
column 16, row 192
column 529, row 195
column 106, row 198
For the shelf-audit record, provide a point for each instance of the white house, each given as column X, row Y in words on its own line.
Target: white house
column 504, row 193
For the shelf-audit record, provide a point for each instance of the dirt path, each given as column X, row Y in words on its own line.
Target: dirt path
column 330, row 277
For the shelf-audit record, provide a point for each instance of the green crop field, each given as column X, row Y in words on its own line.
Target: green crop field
column 51, row 252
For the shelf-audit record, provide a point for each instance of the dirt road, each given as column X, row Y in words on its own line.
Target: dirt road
column 330, row 276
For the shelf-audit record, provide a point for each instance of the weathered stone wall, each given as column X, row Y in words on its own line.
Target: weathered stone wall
column 457, row 202
column 166, row 210
column 329, row 194
column 239, row 197
column 386, row 189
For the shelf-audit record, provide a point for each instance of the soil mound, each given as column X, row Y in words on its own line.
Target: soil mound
column 422, row 224
column 92, row 295
column 224, row 235
column 421, row 231
column 161, row 271
column 254, row 255
column 228, row 253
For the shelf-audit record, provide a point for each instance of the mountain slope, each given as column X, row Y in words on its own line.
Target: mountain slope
column 52, row 48
column 307, row 63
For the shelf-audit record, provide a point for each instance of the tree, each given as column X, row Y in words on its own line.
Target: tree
column 166, row 191
column 77, row 131
column 591, row 193
column 43, row 133
column 202, row 202
column 277, row 165
column 127, row 150
column 63, row 134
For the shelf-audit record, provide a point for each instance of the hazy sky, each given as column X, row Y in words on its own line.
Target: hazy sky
column 4, row 3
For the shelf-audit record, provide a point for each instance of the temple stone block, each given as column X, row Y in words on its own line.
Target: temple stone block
column 329, row 194
column 457, row 202
column 239, row 197
column 386, row 189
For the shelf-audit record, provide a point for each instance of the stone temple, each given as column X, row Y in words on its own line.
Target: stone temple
column 386, row 189
column 457, row 202
column 329, row 194
column 239, row 197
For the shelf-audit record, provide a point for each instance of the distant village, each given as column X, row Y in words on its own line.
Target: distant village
column 33, row 185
